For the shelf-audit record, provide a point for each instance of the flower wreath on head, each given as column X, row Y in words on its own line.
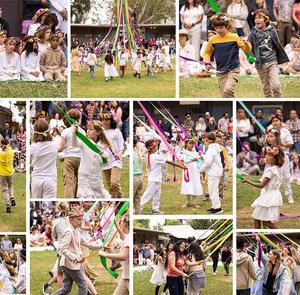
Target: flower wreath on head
column 272, row 150
column 106, row 116
column 220, row 17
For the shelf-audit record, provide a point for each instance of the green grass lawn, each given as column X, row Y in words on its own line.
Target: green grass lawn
column 27, row 89
column 247, row 87
column 172, row 200
column 15, row 221
column 214, row 284
column 246, row 195
column 163, row 85
column 124, row 179
column 42, row 262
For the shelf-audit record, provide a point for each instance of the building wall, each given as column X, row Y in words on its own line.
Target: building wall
column 5, row 115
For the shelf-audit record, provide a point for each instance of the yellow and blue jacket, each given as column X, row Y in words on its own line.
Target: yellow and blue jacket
column 225, row 50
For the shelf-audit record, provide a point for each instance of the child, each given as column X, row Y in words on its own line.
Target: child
column 167, row 60
column 268, row 53
column 20, row 285
column 225, row 48
column 92, row 62
column 30, row 62
column 90, row 181
column 138, row 177
column 123, row 60
column 53, row 62
column 150, row 57
column 6, row 173
column 113, row 170
column 76, row 66
column 137, row 65
column 158, row 56
column 193, row 188
column 109, row 68
column 43, row 152
column 3, row 36
column 7, row 272
column 155, row 163
column 9, row 62
column 123, row 230
column 267, row 205
column 39, row 19
column 294, row 65
column 295, row 169
column 212, row 165
column 161, row 65
column 159, row 275
column 43, row 35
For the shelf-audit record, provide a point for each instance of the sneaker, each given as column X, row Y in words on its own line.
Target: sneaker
column 46, row 289
column 157, row 212
column 210, row 210
column 221, row 197
column 214, row 274
column 217, row 211
column 106, row 80
column 113, row 268
column 206, row 197
column 8, row 209
column 13, row 202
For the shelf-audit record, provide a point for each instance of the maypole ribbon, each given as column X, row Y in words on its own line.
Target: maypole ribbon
column 205, row 241
column 240, row 177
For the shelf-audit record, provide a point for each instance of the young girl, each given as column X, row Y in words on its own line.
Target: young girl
column 195, row 260
column 76, row 66
column 161, row 65
column 9, row 62
column 123, row 230
column 43, row 153
column 30, row 62
column 137, row 65
column 109, row 68
column 295, row 169
column 267, row 205
column 90, row 182
column 150, row 58
column 7, row 271
column 193, row 188
column 44, row 36
column 92, row 62
column 39, row 19
column 113, row 170
column 123, row 60
column 167, row 60
column 159, row 275
column 3, row 36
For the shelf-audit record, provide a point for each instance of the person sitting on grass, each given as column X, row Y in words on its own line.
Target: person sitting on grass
column 53, row 62
column 3, row 36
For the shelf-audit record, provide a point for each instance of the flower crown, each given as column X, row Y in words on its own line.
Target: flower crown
column 220, row 17
column 105, row 116
column 44, row 133
column 274, row 151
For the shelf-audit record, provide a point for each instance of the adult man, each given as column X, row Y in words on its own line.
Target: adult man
column 188, row 123
column 224, row 123
column 245, row 269
column 6, row 244
column 293, row 125
column 71, row 256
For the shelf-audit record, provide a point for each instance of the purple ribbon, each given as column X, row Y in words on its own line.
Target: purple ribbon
column 193, row 60
column 254, row 154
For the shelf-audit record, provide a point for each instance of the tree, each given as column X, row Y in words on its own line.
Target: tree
column 80, row 10
column 173, row 222
column 144, row 223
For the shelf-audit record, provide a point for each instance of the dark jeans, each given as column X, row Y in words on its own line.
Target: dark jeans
column 92, row 72
column 125, row 129
column 268, row 292
column 175, row 285
column 243, row 292
column 215, row 264
column 226, row 266
column 297, row 147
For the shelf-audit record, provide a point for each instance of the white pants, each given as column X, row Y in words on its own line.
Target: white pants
column 91, row 187
column 213, row 190
column 196, row 42
column 153, row 190
column 29, row 77
column 286, row 177
column 4, row 77
column 43, row 188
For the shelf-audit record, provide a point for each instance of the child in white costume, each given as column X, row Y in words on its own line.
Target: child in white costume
column 267, row 205
column 137, row 65
column 9, row 62
column 109, row 68
column 155, row 163
column 30, row 62
column 43, row 153
column 123, row 60
column 90, row 180
column 159, row 275
column 150, row 58
column 5, row 276
column 212, row 165
column 193, row 187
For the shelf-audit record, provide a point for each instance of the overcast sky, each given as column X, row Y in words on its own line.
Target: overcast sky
column 13, row 108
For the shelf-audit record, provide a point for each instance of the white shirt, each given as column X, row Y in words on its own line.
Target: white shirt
column 243, row 127
column 115, row 137
column 30, row 63
column 212, row 164
column 9, row 63
column 33, row 28
column 70, row 150
column 43, row 159
column 150, row 58
column 191, row 16
column 21, row 280
column 156, row 163
column 286, row 138
column 56, row 123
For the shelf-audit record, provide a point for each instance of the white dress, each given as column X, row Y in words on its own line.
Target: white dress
column 5, row 283
column 194, row 186
column 110, row 71
column 9, row 64
column 159, row 275
column 267, row 205
column 30, row 63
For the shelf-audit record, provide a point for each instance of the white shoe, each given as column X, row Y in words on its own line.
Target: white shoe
column 291, row 200
column 214, row 273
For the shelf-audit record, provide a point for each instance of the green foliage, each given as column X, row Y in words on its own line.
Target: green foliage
column 144, row 223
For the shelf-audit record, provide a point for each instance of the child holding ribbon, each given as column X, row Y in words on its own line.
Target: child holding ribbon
column 43, row 153
column 267, row 205
column 155, row 163
column 90, row 181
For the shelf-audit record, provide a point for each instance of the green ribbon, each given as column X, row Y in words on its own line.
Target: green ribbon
column 240, row 177
column 214, row 6
column 104, row 263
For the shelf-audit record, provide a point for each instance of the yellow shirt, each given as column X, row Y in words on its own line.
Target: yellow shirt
column 6, row 162
column 226, row 156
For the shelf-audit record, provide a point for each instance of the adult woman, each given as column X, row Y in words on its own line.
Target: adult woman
column 243, row 127
column 116, row 111
column 56, row 121
column 191, row 15
column 273, row 273
column 18, row 245
column 175, row 274
column 212, row 125
column 195, row 260
column 200, row 127
column 239, row 12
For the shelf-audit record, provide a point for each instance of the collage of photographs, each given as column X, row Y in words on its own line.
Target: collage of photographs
column 150, row 147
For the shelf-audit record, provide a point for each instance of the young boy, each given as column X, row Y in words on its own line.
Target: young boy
column 138, row 177
column 225, row 48
column 150, row 58
column 155, row 163
column 53, row 61
column 6, row 173
column 268, row 53
column 212, row 165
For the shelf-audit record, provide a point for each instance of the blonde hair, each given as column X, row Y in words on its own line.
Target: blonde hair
column 100, row 132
